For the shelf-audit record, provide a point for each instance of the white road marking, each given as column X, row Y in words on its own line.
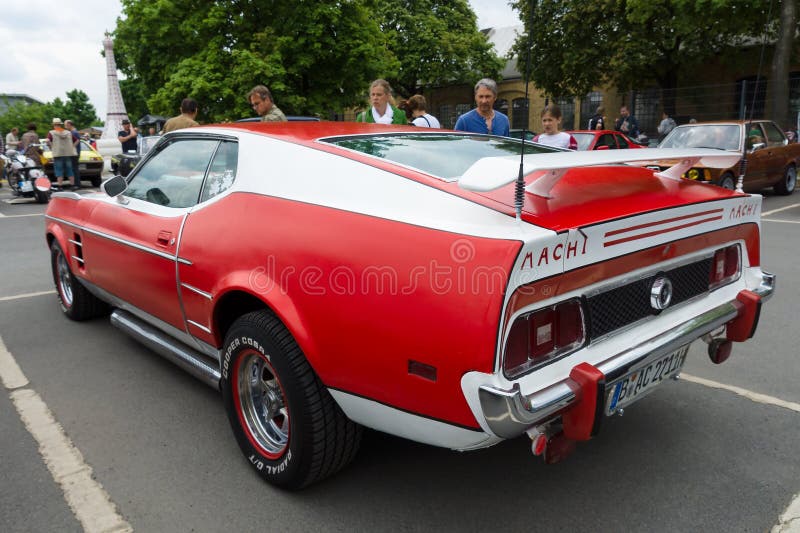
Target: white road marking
column 750, row 395
column 20, row 216
column 766, row 213
column 26, row 295
column 86, row 497
column 790, row 519
column 784, row 221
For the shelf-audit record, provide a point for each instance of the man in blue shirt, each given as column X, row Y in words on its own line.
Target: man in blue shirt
column 484, row 119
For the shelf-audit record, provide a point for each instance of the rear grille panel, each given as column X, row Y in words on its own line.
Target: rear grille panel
column 622, row 306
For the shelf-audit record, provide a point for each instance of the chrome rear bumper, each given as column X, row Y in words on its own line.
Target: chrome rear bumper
column 508, row 413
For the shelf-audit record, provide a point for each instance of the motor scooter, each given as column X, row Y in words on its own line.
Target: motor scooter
column 25, row 174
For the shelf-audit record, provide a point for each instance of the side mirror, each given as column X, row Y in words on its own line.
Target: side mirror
column 114, row 186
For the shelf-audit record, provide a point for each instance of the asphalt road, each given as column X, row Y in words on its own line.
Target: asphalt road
column 689, row 457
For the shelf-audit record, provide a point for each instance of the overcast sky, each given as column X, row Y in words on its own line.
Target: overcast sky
column 49, row 47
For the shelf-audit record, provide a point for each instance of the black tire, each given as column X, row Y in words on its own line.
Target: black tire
column 76, row 302
column 41, row 196
column 726, row 181
column 96, row 181
column 788, row 183
column 286, row 422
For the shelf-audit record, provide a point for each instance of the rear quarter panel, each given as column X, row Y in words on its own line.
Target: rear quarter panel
column 362, row 295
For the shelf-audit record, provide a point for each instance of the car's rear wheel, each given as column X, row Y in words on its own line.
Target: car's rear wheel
column 286, row 422
column 76, row 301
column 788, row 182
column 726, row 181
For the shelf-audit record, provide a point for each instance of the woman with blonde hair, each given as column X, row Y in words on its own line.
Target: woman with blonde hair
column 382, row 111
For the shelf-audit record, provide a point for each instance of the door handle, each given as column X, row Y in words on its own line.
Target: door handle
column 164, row 238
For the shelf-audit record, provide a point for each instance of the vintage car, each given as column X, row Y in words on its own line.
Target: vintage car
column 331, row 276
column 770, row 160
column 90, row 163
column 123, row 163
column 603, row 140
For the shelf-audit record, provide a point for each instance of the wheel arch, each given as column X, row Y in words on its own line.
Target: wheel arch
column 238, row 302
column 55, row 233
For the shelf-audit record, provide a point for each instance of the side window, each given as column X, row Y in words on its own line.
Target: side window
column 173, row 177
column 222, row 171
column 622, row 142
column 755, row 135
column 774, row 136
column 606, row 140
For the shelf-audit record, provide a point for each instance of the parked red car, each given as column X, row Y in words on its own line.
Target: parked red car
column 329, row 276
column 603, row 140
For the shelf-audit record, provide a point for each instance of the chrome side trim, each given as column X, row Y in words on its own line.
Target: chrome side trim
column 179, row 335
column 185, row 357
column 103, row 235
column 198, row 325
column 509, row 413
column 204, row 294
column 76, row 243
column 76, row 258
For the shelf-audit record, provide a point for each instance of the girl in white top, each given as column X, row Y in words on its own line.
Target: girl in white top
column 416, row 106
column 551, row 124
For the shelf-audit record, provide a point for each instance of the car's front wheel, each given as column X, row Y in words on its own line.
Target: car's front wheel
column 788, row 182
column 76, row 301
column 284, row 419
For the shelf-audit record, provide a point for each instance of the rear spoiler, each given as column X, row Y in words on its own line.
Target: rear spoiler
column 490, row 173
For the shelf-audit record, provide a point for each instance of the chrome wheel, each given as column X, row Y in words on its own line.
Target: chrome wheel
column 788, row 183
column 262, row 404
column 64, row 280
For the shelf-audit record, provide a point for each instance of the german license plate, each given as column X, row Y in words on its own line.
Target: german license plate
column 82, row 166
column 642, row 380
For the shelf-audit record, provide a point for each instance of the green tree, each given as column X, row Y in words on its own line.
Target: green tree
column 76, row 108
column 21, row 114
column 438, row 43
column 315, row 55
column 578, row 45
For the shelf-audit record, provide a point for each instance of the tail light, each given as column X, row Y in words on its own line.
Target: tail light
column 544, row 335
column 725, row 266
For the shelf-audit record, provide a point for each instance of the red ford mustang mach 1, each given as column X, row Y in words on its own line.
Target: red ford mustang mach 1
column 434, row 285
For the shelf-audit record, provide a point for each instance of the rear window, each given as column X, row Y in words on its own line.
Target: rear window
column 445, row 156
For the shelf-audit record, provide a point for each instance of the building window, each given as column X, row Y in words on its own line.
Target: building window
column 751, row 93
column 794, row 99
column 647, row 110
column 567, row 106
column 519, row 114
column 446, row 116
column 589, row 105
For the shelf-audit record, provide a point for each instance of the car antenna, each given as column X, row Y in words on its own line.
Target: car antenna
column 743, row 163
column 519, row 188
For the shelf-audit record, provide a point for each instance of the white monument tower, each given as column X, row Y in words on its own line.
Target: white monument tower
column 115, row 107
column 108, row 144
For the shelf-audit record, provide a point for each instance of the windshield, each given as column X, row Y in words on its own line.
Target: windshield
column 445, row 156
column 584, row 140
column 146, row 143
column 722, row 136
